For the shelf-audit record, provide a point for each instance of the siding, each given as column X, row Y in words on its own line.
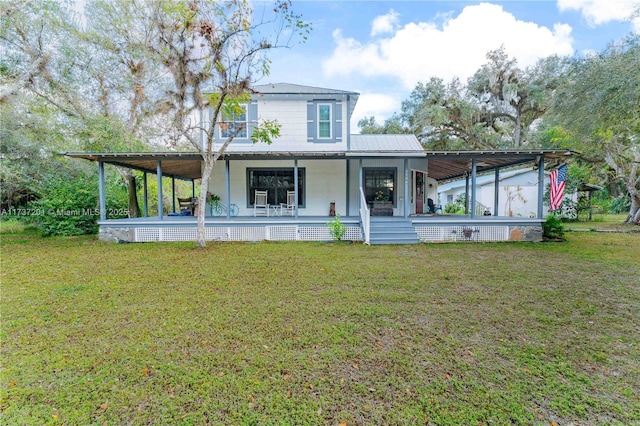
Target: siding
column 325, row 182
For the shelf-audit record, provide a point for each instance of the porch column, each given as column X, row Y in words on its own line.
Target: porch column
column 145, row 191
column 101, row 193
column 227, row 183
column 466, row 193
column 295, row 184
column 347, row 189
column 159, row 175
column 540, row 185
column 473, row 188
column 193, row 188
column 173, row 194
column 406, row 188
column 360, row 179
column 496, row 191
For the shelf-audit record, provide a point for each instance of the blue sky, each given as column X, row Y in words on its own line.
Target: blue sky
column 381, row 49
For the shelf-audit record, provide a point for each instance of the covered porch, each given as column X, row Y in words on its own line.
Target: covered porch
column 415, row 178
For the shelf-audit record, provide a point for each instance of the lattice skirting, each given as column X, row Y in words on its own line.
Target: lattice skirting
column 244, row 233
column 463, row 233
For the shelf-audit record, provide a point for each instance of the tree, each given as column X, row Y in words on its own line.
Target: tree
column 392, row 125
column 213, row 50
column 599, row 105
column 443, row 116
column 510, row 98
column 97, row 74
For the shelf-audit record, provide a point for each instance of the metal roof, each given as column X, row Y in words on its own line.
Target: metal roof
column 441, row 165
column 386, row 143
column 296, row 89
column 288, row 88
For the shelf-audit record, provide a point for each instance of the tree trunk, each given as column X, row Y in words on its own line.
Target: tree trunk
column 134, row 207
column 634, row 211
column 202, row 199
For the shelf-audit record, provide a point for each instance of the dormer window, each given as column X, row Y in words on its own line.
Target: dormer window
column 324, row 121
column 229, row 124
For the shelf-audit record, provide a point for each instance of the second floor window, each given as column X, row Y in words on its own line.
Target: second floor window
column 229, row 124
column 324, row 121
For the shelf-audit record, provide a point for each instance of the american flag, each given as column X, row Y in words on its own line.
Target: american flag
column 556, row 187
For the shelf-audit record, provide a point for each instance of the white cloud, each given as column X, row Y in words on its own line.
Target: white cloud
column 599, row 12
column 380, row 105
column 384, row 24
column 420, row 50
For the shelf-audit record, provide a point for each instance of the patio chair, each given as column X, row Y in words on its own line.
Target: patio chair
column 186, row 204
column 260, row 205
column 288, row 208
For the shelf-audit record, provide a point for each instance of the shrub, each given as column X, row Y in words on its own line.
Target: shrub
column 619, row 205
column 553, row 227
column 69, row 207
column 337, row 229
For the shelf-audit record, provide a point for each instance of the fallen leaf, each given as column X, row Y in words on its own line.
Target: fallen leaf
column 289, row 394
column 554, row 424
column 343, row 423
column 287, row 377
column 104, row 406
column 145, row 371
column 252, row 398
column 13, row 383
column 320, row 411
column 220, row 374
column 356, row 366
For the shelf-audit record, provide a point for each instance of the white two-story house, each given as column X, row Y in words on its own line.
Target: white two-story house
column 381, row 186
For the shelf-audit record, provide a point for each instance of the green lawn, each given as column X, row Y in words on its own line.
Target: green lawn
column 603, row 222
column 306, row 333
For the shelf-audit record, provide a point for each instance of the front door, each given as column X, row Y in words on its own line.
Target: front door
column 419, row 191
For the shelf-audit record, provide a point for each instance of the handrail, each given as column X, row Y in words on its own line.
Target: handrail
column 365, row 217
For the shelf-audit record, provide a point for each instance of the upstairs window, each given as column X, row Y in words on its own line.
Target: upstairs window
column 229, row 124
column 324, row 121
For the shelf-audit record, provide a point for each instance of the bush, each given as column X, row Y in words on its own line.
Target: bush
column 619, row 205
column 553, row 227
column 337, row 229
column 69, row 206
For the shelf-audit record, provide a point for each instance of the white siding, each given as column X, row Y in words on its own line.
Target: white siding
column 292, row 116
column 325, row 182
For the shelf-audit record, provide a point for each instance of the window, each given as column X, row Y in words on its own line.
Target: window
column 379, row 185
column 229, row 124
column 276, row 182
column 324, row 121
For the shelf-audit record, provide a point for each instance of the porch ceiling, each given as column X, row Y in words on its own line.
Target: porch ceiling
column 442, row 165
column 449, row 165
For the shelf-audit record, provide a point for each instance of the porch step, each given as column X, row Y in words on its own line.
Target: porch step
column 392, row 230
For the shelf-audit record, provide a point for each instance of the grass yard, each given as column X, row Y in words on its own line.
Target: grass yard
column 306, row 333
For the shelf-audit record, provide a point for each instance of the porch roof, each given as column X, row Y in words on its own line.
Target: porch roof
column 442, row 165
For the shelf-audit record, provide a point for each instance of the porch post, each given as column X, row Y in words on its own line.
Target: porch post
column 159, row 175
column 466, row 193
column 348, row 181
column 173, row 194
column 496, row 191
column 295, row 184
column 193, row 188
column 406, row 188
column 146, row 194
column 360, row 179
column 540, row 185
column 473, row 188
column 101, row 194
column 227, row 183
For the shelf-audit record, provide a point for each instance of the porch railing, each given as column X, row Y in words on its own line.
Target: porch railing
column 365, row 217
